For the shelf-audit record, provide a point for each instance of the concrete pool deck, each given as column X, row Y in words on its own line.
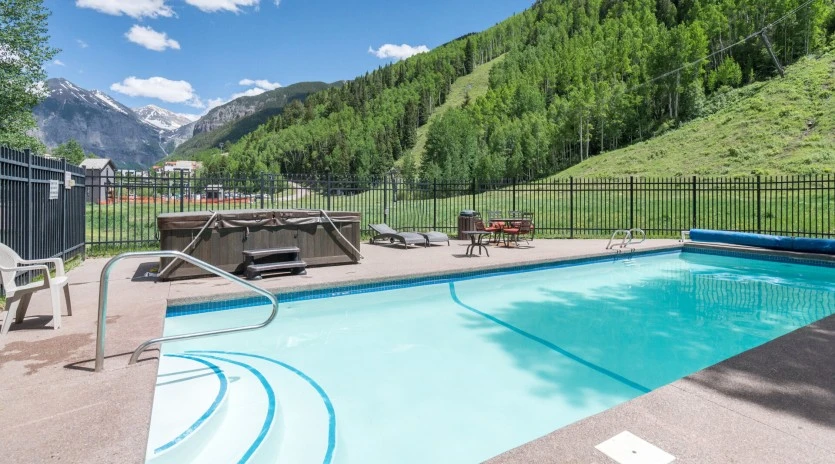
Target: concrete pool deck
column 775, row 403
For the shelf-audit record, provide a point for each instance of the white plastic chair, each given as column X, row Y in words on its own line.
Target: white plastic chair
column 18, row 297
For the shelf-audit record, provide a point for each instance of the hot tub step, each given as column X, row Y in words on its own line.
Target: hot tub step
column 266, row 252
column 273, row 259
column 253, row 271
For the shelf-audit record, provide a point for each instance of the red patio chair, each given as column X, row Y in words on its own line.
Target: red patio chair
column 517, row 230
column 493, row 228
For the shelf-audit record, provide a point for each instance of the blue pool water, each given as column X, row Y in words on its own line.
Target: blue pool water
column 462, row 370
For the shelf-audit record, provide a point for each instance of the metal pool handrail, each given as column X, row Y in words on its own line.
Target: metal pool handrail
column 627, row 235
column 632, row 236
column 105, row 276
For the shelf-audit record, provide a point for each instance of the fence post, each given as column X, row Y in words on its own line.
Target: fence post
column 473, row 187
column 261, row 188
column 693, row 223
column 570, row 207
column 514, row 194
column 330, row 187
column 631, row 202
column 434, row 204
column 182, row 192
column 64, row 212
column 385, row 199
column 30, row 201
column 759, row 206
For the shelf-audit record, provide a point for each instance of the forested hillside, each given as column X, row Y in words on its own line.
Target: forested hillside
column 231, row 121
column 782, row 126
column 580, row 77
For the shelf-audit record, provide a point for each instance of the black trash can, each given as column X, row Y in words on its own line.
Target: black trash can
column 466, row 221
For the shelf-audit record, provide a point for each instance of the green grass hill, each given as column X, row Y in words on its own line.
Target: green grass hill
column 471, row 86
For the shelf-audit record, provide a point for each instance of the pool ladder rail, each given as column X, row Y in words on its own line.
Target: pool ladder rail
column 627, row 237
column 105, row 277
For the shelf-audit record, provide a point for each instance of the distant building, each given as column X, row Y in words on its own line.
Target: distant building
column 98, row 182
column 214, row 192
column 172, row 167
column 133, row 172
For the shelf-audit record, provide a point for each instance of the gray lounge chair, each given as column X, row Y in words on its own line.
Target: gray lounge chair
column 384, row 232
column 435, row 237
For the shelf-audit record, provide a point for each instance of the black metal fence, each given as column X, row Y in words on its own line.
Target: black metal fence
column 41, row 206
column 569, row 208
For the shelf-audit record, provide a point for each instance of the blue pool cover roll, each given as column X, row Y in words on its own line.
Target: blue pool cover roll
column 773, row 242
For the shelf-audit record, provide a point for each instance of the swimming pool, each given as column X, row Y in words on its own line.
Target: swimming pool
column 462, row 369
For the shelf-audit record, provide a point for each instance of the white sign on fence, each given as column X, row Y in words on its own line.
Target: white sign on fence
column 53, row 189
column 68, row 180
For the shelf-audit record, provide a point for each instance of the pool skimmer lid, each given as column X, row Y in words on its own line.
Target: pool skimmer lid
column 626, row 448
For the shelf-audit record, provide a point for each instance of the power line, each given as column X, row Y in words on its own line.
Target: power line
column 724, row 49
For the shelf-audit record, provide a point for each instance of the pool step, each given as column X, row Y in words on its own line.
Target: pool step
column 217, row 406
column 198, row 391
column 247, row 432
column 308, row 421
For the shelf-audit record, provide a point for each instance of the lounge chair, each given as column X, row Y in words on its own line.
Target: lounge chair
column 435, row 237
column 384, row 232
column 18, row 297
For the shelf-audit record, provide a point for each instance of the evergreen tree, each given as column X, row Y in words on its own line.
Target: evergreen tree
column 469, row 57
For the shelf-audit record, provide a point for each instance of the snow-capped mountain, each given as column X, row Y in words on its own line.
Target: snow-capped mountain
column 162, row 118
column 137, row 138
column 99, row 123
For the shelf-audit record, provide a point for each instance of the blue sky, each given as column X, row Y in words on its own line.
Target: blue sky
column 187, row 55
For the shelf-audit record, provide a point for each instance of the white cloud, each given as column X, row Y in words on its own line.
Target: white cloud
column 59, row 63
column 399, row 52
column 190, row 116
column 247, row 93
column 211, row 6
column 260, row 86
column 151, row 39
column 214, row 103
column 133, row 8
column 160, row 88
column 81, row 43
column 260, row 83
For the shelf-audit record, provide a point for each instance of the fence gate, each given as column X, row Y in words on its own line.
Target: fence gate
column 41, row 206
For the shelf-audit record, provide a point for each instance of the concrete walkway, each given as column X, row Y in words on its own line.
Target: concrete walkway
column 772, row 403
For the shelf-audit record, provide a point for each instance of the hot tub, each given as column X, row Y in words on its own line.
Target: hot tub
column 229, row 233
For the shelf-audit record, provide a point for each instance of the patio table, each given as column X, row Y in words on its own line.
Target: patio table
column 476, row 241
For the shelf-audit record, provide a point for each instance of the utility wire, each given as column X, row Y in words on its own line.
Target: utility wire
column 724, row 49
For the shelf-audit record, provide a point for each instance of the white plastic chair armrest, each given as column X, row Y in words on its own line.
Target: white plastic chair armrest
column 36, row 267
column 57, row 262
